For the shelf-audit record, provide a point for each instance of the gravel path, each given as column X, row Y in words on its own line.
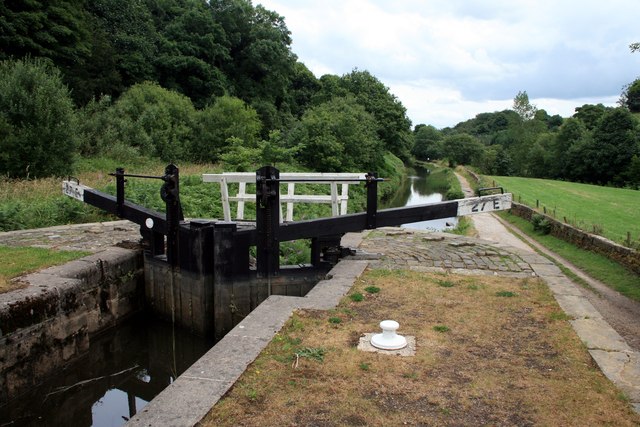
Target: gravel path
column 622, row 313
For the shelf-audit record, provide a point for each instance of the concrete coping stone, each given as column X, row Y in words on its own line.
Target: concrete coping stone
column 598, row 335
column 410, row 350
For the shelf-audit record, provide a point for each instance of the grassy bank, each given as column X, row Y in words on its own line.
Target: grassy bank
column 610, row 212
column 26, row 204
column 597, row 266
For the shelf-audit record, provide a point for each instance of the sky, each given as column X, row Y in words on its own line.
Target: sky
column 448, row 60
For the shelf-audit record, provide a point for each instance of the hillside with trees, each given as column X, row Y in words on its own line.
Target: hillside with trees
column 217, row 81
column 179, row 80
column 597, row 145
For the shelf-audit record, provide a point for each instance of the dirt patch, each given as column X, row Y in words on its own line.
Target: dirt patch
column 490, row 351
column 7, row 285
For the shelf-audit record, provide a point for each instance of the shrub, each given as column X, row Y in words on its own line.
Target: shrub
column 541, row 224
column 454, row 194
column 339, row 135
column 228, row 121
column 156, row 122
column 37, row 120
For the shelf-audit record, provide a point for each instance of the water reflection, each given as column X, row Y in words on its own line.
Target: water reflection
column 418, row 191
column 123, row 370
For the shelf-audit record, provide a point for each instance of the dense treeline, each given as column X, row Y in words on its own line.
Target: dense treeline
column 216, row 80
column 598, row 144
column 179, row 80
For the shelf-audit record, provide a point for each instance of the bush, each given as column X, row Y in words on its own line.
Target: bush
column 37, row 120
column 454, row 194
column 337, row 136
column 153, row 121
column 227, row 122
column 541, row 224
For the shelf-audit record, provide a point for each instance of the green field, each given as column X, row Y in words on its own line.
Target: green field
column 611, row 212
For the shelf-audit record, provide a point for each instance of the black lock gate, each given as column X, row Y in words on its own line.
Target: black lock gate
column 198, row 272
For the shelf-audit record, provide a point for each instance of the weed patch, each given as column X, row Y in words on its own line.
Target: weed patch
column 356, row 297
column 316, row 354
column 506, row 294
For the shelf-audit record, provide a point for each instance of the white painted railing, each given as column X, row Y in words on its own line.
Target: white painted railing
column 337, row 200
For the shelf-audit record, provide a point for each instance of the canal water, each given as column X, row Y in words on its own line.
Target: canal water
column 418, row 190
column 123, row 370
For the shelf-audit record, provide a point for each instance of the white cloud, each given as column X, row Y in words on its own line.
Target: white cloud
column 474, row 56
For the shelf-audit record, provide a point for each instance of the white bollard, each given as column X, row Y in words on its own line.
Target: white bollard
column 388, row 339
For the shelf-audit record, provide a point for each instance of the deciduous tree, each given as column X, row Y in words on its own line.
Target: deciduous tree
column 37, row 120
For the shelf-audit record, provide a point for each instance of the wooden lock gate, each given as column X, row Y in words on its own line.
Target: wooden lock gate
column 198, row 272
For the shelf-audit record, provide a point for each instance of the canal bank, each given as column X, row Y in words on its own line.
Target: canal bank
column 188, row 397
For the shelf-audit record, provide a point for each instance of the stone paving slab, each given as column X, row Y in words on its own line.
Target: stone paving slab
column 601, row 336
column 93, row 237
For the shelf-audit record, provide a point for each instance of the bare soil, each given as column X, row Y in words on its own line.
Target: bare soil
column 490, row 351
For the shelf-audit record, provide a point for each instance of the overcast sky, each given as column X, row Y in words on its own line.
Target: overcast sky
column 448, row 60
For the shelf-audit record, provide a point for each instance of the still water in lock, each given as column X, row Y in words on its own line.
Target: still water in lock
column 121, row 372
column 417, row 190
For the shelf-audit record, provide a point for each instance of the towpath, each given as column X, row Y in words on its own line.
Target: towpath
column 622, row 313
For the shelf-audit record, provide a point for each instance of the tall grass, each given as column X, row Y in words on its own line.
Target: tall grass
column 26, row 204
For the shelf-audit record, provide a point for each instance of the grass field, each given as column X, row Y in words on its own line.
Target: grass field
column 610, row 212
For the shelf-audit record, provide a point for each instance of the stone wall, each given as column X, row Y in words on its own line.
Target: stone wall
column 628, row 257
column 49, row 322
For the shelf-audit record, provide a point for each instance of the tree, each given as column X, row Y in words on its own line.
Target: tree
column 394, row 127
column 616, row 141
column 339, row 135
column 463, row 149
column 154, row 121
column 630, row 97
column 52, row 29
column 304, row 85
column 572, row 132
column 603, row 156
column 37, row 120
column 523, row 107
column 191, row 49
column 128, row 27
column 260, row 63
column 590, row 114
column 540, row 156
column 496, row 161
column 632, row 174
column 228, row 117
column 428, row 143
